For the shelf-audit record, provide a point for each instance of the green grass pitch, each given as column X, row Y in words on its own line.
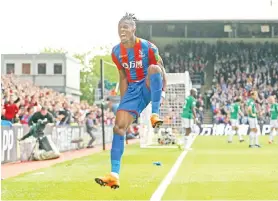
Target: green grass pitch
column 213, row 170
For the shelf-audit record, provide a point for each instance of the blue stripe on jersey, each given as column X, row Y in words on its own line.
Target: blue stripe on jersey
column 132, row 63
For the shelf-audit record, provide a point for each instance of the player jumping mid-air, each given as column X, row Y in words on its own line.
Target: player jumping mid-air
column 235, row 111
column 273, row 118
column 253, row 121
column 142, row 79
column 188, row 115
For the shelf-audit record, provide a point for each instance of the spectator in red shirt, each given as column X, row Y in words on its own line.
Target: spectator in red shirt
column 11, row 110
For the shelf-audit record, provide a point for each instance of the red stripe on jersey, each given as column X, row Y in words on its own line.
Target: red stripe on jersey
column 138, row 59
column 116, row 61
column 124, row 56
column 152, row 59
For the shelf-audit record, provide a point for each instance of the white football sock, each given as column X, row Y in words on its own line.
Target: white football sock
column 251, row 138
column 231, row 134
column 239, row 136
column 257, row 138
column 272, row 133
column 186, row 141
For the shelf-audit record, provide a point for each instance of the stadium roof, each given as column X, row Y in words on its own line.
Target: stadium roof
column 209, row 20
column 211, row 10
column 212, row 17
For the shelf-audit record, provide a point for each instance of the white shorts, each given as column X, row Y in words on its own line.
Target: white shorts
column 234, row 122
column 274, row 123
column 253, row 122
column 187, row 123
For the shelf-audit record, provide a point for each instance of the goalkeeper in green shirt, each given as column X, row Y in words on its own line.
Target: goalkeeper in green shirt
column 235, row 111
column 273, row 118
column 188, row 115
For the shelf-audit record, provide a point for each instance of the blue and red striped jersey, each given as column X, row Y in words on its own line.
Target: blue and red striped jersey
column 135, row 61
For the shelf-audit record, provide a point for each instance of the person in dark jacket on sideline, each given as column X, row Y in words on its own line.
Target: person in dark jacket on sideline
column 90, row 127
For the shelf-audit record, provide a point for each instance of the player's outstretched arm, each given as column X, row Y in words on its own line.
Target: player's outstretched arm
column 123, row 82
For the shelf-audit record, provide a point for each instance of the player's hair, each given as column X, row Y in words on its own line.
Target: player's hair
column 129, row 17
column 193, row 90
column 253, row 93
column 238, row 100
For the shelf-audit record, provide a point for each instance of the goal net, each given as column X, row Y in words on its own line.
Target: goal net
column 170, row 133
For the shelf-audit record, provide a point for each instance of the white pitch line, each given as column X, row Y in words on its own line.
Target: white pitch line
column 158, row 194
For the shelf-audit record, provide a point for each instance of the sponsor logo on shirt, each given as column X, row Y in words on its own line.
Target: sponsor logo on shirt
column 133, row 64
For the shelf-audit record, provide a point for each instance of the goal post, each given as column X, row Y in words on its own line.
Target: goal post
column 169, row 135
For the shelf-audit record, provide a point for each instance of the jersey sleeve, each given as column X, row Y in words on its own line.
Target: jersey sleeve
column 193, row 103
column 116, row 61
column 154, row 57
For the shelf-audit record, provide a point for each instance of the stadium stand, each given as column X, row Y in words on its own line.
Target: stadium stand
column 187, row 56
column 20, row 99
column 240, row 68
